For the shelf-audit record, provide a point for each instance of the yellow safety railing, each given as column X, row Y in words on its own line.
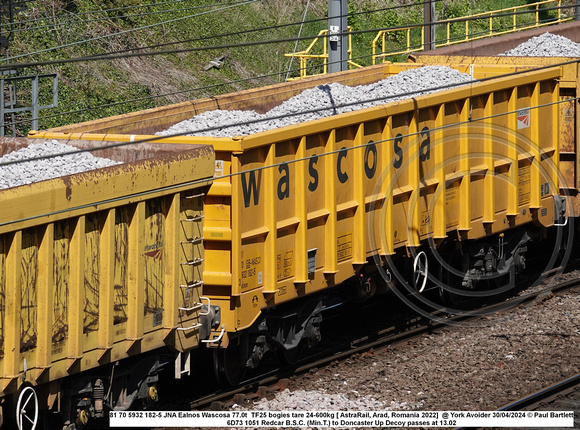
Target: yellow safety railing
column 306, row 55
column 515, row 10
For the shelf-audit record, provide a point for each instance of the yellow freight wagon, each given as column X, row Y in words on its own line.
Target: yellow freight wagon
column 92, row 269
column 487, row 53
column 297, row 210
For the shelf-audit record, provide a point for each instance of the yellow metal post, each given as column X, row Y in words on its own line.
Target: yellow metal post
column 173, row 234
column 465, row 163
column 236, row 228
column 386, row 226
column 488, row 146
column 107, row 281
column 76, row 292
column 555, row 168
column 301, row 211
column 330, row 263
column 535, row 137
column 360, row 226
column 13, row 304
column 413, row 151
column 269, row 277
column 512, row 197
column 45, row 298
column 136, row 281
column 439, row 220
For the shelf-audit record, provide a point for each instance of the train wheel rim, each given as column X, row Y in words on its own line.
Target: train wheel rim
column 229, row 365
column 27, row 409
column 420, row 271
column 290, row 357
column 451, row 299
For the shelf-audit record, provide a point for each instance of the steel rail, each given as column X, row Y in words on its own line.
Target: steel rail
column 269, row 382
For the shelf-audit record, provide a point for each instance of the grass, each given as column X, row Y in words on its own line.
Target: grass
column 202, row 29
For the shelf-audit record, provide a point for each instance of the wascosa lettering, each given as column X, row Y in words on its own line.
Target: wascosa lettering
column 252, row 180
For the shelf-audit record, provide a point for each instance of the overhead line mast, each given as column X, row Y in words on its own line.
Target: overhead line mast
column 338, row 36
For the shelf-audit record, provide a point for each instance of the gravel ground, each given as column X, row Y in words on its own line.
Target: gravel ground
column 546, row 45
column 334, row 98
column 27, row 172
column 481, row 367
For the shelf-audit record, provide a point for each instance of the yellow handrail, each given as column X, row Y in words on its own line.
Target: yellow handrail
column 381, row 36
column 306, row 55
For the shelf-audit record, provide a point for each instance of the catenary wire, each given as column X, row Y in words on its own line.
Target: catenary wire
column 256, row 169
column 410, row 93
column 52, row 17
column 108, row 18
column 214, row 47
column 254, row 78
column 101, row 107
column 97, row 11
column 195, row 89
column 273, row 27
column 125, row 31
column 228, row 34
column 216, row 36
column 247, row 79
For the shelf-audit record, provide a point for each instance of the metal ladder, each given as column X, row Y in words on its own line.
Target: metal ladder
column 193, row 283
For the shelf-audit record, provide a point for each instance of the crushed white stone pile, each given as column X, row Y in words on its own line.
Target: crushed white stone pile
column 320, row 102
column 546, row 45
column 27, row 172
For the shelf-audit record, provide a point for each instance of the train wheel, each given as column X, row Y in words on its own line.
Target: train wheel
column 451, row 299
column 451, row 275
column 450, row 294
column 230, row 364
column 290, row 356
column 420, row 271
column 27, row 409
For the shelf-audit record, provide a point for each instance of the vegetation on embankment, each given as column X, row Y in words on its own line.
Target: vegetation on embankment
column 252, row 36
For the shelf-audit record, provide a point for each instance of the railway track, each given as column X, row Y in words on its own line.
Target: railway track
column 276, row 378
column 562, row 396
